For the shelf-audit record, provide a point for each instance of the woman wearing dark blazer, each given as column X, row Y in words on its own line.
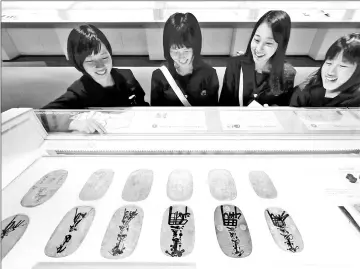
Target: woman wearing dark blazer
column 266, row 78
column 337, row 82
column 196, row 81
column 100, row 85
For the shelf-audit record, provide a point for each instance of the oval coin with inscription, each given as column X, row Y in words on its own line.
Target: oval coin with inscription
column 44, row 189
column 283, row 230
column 97, row 185
column 262, row 184
column 177, row 236
column 222, row 185
column 180, row 185
column 70, row 232
column 138, row 185
column 123, row 232
column 12, row 229
column 232, row 232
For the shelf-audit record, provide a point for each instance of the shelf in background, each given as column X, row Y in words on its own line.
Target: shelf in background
column 155, row 13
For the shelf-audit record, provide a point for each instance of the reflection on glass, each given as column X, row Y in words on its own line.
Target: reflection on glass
column 265, row 121
column 78, row 122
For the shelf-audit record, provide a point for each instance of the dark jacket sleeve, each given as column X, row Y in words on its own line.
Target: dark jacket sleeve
column 70, row 99
column 352, row 102
column 134, row 87
column 213, row 83
column 157, row 89
column 227, row 95
column 299, row 98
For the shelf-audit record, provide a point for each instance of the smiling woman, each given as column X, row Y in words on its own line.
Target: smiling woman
column 261, row 76
column 184, row 79
column 337, row 82
column 101, row 85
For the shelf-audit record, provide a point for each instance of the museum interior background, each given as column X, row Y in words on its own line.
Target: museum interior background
column 230, row 160
column 34, row 34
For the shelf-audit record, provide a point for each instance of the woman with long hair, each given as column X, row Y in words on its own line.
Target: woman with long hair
column 261, row 74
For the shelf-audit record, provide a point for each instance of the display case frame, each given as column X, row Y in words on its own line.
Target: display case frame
column 32, row 151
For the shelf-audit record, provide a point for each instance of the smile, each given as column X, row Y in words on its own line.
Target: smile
column 183, row 62
column 258, row 55
column 331, row 78
column 101, row 73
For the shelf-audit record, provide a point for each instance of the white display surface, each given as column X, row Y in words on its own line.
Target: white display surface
column 169, row 121
column 250, row 121
column 315, row 120
column 158, row 121
column 225, row 120
column 329, row 239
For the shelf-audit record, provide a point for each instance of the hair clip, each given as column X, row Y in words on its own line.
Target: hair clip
column 90, row 35
column 352, row 39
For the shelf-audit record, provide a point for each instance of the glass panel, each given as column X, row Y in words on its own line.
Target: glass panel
column 205, row 121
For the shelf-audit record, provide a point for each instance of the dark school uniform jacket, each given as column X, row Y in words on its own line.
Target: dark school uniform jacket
column 315, row 97
column 201, row 88
column 86, row 92
column 255, row 86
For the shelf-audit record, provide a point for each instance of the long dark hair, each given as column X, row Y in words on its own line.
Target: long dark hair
column 349, row 45
column 280, row 23
column 84, row 41
column 182, row 30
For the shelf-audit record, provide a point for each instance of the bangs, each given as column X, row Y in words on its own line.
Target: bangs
column 88, row 47
column 182, row 31
column 83, row 42
column 350, row 51
column 181, row 39
column 333, row 52
column 351, row 55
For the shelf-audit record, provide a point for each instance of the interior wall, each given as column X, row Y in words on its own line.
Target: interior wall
column 34, row 87
column 16, row 41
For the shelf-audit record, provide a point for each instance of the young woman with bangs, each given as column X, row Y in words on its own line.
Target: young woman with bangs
column 184, row 79
column 101, row 85
column 337, row 82
column 261, row 76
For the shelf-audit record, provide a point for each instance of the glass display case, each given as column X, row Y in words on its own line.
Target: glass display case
column 199, row 187
column 310, row 157
column 210, row 121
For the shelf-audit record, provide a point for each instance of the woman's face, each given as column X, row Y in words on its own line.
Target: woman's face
column 182, row 56
column 336, row 72
column 99, row 66
column 263, row 45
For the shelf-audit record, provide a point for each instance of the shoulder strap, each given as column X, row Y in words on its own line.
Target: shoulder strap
column 241, row 88
column 174, row 86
